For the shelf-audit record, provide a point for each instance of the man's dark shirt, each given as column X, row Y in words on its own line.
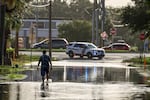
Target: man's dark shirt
column 44, row 59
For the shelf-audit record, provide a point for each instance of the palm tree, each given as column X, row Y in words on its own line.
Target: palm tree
column 13, row 20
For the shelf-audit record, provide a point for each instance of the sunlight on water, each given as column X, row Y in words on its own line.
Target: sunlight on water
column 79, row 83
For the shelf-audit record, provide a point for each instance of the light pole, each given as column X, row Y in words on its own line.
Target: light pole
column 50, row 40
column 36, row 17
column 102, row 6
column 44, row 4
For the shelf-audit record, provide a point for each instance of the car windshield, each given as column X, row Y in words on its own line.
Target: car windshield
column 91, row 46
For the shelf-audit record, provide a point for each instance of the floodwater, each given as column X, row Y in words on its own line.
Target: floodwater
column 79, row 83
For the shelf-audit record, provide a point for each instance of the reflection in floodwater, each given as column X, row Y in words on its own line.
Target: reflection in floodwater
column 44, row 90
column 79, row 83
column 85, row 74
column 4, row 95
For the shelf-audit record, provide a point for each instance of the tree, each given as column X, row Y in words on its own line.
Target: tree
column 137, row 17
column 60, row 9
column 76, row 31
column 13, row 15
column 78, row 9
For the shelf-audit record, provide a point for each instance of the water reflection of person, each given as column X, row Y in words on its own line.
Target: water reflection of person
column 44, row 91
column 46, row 66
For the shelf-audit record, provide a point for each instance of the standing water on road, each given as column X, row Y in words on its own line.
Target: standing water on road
column 79, row 83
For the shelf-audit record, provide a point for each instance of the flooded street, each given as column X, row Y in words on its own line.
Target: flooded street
column 79, row 83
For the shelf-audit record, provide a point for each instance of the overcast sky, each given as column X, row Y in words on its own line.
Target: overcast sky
column 117, row 3
column 112, row 3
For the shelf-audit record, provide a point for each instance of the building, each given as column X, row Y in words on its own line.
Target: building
column 40, row 29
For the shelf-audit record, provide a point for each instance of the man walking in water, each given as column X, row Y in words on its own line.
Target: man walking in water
column 46, row 66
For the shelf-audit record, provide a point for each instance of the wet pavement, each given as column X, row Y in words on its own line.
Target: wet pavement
column 80, row 82
column 73, row 91
column 80, row 79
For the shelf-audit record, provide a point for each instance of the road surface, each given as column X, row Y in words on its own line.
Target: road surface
column 81, row 79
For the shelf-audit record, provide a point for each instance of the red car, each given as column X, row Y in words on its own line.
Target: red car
column 117, row 46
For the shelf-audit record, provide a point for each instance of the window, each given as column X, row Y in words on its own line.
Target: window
column 26, row 24
column 53, row 25
column 59, row 44
column 40, row 24
column 78, row 45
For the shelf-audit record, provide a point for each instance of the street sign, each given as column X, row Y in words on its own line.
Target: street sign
column 113, row 31
column 142, row 36
column 104, row 35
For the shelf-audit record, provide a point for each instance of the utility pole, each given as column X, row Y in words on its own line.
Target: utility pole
column 93, row 22
column 50, row 40
column 36, row 17
column 2, row 33
column 102, row 14
column 96, row 24
column 102, row 7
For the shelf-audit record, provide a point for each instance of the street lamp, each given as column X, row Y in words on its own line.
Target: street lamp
column 45, row 4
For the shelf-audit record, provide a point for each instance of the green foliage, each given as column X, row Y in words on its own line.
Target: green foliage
column 14, row 10
column 60, row 9
column 137, row 17
column 15, row 76
column 117, row 51
column 11, row 73
column 35, row 50
column 27, row 58
column 138, row 60
column 10, row 49
column 76, row 31
column 134, row 49
column 78, row 9
column 14, row 13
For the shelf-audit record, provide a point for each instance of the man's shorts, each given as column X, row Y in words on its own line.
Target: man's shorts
column 44, row 70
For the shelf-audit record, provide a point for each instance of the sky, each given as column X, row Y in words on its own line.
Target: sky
column 117, row 3
column 113, row 3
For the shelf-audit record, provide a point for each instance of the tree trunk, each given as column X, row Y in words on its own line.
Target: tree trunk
column 7, row 59
column 16, row 44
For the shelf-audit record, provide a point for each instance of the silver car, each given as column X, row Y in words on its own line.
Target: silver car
column 84, row 49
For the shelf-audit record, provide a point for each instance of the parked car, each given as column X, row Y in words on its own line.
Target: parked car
column 84, row 49
column 56, row 43
column 117, row 46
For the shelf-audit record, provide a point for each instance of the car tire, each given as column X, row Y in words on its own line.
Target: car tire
column 71, row 55
column 89, row 55
column 100, row 57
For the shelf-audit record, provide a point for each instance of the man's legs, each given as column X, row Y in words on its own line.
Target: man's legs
column 47, row 75
column 47, row 78
column 43, row 75
column 43, row 79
